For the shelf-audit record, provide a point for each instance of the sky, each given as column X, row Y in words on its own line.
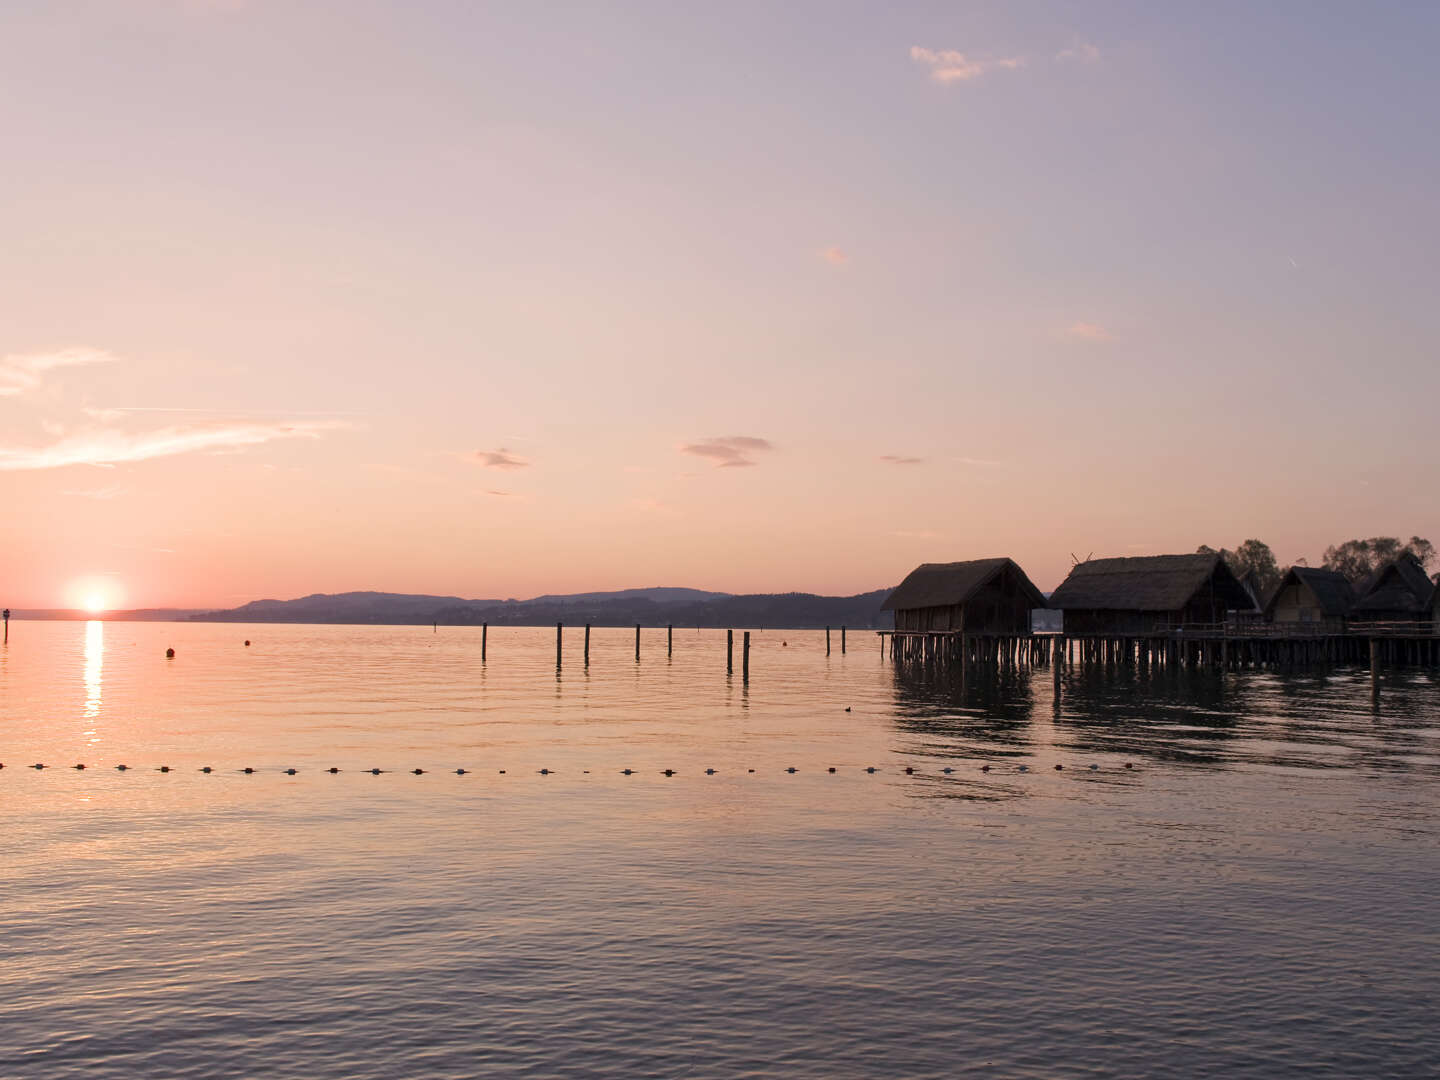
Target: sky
column 494, row 300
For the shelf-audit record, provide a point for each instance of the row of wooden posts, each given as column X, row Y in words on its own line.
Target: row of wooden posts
column 669, row 646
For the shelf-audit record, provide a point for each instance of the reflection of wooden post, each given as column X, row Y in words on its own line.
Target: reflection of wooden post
column 670, row 640
column 827, row 641
column 1374, row 669
column 842, row 641
column 587, row 644
column 745, row 658
column 637, row 642
column 729, row 652
column 558, row 628
column 484, row 633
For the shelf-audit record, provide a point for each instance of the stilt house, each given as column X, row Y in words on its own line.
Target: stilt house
column 1312, row 599
column 1150, row 594
column 982, row 596
column 1400, row 591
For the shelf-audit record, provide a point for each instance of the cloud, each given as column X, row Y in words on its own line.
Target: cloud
column 731, row 452
column 1088, row 331
column 1080, row 50
column 899, row 459
column 947, row 65
column 109, row 447
column 500, row 459
column 834, row 256
column 23, row 372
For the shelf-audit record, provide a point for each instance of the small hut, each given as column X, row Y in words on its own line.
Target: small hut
column 1312, row 599
column 982, row 596
column 1150, row 594
column 1400, row 591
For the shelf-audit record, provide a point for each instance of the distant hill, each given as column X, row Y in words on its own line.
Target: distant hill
column 76, row 615
column 626, row 607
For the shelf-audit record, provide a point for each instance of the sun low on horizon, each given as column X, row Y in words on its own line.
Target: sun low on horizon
column 94, row 595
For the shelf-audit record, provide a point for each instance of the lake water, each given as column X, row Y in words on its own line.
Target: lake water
column 1254, row 897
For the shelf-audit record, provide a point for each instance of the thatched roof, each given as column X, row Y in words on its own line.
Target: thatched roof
column 946, row 584
column 1332, row 589
column 1399, row 585
column 1147, row 583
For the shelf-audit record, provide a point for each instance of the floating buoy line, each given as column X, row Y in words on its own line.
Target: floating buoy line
column 789, row 770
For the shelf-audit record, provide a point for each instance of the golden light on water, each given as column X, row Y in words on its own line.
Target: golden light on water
column 94, row 666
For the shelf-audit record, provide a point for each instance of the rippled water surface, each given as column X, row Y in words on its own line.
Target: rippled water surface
column 1255, row 895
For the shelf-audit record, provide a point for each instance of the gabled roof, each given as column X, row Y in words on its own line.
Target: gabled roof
column 1332, row 589
column 946, row 584
column 1147, row 583
column 1399, row 585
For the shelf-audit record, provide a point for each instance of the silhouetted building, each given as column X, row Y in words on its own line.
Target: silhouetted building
column 1312, row 598
column 1400, row 591
column 1148, row 594
column 982, row 596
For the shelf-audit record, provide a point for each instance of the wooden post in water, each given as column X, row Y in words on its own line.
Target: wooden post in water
column 745, row 658
column 484, row 633
column 670, row 640
column 842, row 641
column 729, row 652
column 827, row 641
column 558, row 628
column 1374, row 670
column 637, row 642
column 7, row 626
column 587, row 644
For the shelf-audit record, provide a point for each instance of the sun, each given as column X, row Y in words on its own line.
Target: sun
column 94, row 594
column 94, row 603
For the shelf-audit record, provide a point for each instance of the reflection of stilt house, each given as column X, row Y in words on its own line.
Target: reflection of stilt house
column 1150, row 594
column 982, row 596
column 1400, row 592
column 1311, row 599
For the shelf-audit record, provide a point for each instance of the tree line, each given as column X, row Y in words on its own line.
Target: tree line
column 1356, row 559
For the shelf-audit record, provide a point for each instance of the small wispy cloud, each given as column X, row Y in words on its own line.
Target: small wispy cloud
column 1080, row 50
column 500, row 459
column 949, row 66
column 500, row 494
column 834, row 256
column 22, row 372
column 104, row 494
column 730, row 452
column 900, row 459
column 109, row 447
column 1088, row 331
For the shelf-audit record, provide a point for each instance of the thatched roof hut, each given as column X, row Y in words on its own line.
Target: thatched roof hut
column 1400, row 591
column 1148, row 594
column 1309, row 595
column 982, row 596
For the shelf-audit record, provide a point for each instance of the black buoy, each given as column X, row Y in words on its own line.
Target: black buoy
column 169, row 654
column 122, row 768
column 1058, row 767
column 669, row 772
column 1128, row 765
column 247, row 770
column 984, row 768
column 709, row 772
column 247, row 642
column 206, row 769
column 80, row 766
column 289, row 772
column 502, row 772
column 947, row 770
column 1093, row 766
column 333, row 770
column 374, row 772
column 37, row 765
column 459, row 772
column 908, row 769
column 164, row 768
column 626, row 772
column 544, row 772
column 419, row 772
column 791, row 769
column 870, row 768
column 847, row 708
column 1024, row 768
column 832, row 768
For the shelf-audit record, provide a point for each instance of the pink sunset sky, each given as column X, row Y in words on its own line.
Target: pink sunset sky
column 496, row 300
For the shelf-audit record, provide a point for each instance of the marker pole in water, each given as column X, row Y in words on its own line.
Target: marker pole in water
column 558, row 627
column 670, row 641
column 484, row 633
column 827, row 641
column 637, row 642
column 745, row 658
column 7, row 626
column 729, row 652
column 842, row 641
column 587, row 644
column 1374, row 670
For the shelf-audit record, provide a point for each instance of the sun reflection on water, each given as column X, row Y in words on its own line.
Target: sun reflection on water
column 94, row 663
